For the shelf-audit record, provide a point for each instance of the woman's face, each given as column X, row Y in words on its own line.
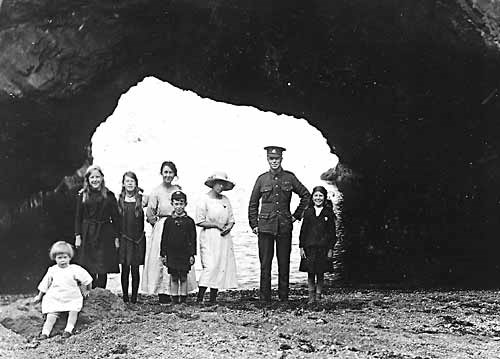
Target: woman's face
column 218, row 187
column 168, row 174
column 129, row 184
column 318, row 199
column 95, row 179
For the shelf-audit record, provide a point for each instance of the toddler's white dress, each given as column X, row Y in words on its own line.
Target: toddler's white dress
column 60, row 285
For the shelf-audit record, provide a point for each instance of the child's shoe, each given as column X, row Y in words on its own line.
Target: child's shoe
column 43, row 336
column 312, row 297
column 66, row 334
column 125, row 298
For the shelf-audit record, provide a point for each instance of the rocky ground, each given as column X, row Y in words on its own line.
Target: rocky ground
column 348, row 323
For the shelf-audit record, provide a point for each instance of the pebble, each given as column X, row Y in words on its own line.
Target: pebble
column 285, row 346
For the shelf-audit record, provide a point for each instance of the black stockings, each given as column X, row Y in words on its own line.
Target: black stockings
column 134, row 270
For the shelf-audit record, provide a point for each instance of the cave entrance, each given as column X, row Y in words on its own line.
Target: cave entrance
column 155, row 121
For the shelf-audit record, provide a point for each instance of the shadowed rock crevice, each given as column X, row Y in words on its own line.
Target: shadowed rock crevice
column 404, row 91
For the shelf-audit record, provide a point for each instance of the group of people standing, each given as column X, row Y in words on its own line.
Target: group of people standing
column 109, row 232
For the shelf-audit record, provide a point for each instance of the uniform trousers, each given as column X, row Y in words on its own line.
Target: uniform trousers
column 283, row 243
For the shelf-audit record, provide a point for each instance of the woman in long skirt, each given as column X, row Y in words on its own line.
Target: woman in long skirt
column 215, row 216
column 155, row 277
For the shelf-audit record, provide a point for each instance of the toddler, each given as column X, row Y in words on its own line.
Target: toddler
column 62, row 289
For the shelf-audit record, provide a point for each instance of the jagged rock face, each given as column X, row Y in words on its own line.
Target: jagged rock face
column 405, row 91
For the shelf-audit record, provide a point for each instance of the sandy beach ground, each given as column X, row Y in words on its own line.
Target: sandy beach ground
column 347, row 323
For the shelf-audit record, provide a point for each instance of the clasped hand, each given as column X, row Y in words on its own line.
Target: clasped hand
column 225, row 229
column 303, row 253
column 164, row 260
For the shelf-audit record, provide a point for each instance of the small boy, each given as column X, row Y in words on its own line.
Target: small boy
column 178, row 246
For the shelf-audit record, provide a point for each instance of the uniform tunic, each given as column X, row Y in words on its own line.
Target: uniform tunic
column 216, row 251
column 317, row 237
column 275, row 193
column 155, row 277
column 178, row 242
column 60, row 286
column 98, row 222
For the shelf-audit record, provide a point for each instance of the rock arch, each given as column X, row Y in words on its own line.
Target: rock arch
column 405, row 91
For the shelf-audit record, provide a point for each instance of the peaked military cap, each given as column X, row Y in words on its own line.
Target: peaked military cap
column 274, row 150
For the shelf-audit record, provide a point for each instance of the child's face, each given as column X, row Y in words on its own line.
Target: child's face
column 179, row 205
column 95, row 179
column 62, row 260
column 129, row 184
column 318, row 199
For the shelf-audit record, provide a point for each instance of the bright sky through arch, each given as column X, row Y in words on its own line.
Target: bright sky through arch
column 155, row 121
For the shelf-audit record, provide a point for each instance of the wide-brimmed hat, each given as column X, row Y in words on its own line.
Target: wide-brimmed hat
column 221, row 177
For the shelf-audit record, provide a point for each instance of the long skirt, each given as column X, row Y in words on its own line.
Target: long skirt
column 155, row 277
column 217, row 260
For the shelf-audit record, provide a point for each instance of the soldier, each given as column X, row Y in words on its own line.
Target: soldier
column 274, row 223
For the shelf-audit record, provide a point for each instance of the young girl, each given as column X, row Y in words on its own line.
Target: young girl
column 62, row 289
column 133, row 240
column 316, row 241
column 97, row 227
column 178, row 246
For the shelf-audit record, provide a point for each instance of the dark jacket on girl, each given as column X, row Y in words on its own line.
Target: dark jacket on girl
column 98, row 222
column 318, row 231
column 133, row 240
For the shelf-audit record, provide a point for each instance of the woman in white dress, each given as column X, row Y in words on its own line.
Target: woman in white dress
column 155, row 277
column 215, row 216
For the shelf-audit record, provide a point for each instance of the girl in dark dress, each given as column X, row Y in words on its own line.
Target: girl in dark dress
column 97, row 227
column 133, row 240
column 178, row 246
column 316, row 241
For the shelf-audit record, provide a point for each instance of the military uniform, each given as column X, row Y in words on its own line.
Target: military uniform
column 274, row 222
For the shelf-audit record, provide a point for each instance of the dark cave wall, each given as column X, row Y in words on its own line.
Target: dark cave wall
column 405, row 92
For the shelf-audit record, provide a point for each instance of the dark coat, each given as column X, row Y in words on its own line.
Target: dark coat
column 318, row 231
column 275, row 192
column 178, row 242
column 133, row 239
column 98, row 222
